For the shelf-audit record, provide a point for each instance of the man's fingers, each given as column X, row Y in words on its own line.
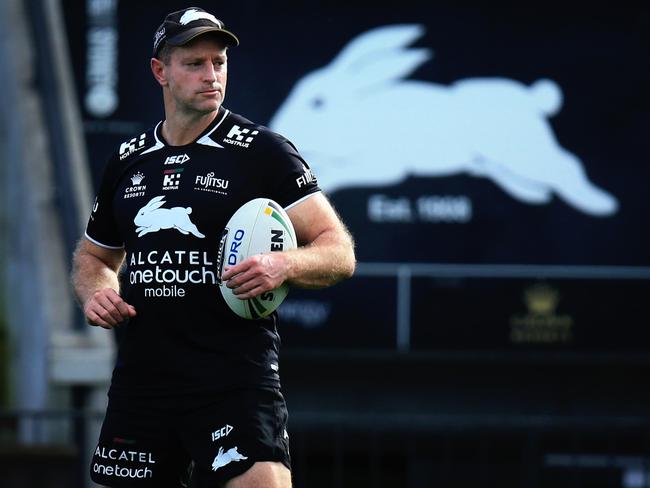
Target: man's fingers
column 107, row 316
column 255, row 275
column 107, row 309
column 121, row 306
column 243, row 272
column 126, row 310
column 245, row 287
column 245, row 282
column 95, row 319
column 237, row 280
column 253, row 292
column 227, row 274
column 231, row 271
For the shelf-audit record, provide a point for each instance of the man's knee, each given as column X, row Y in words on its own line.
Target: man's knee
column 263, row 475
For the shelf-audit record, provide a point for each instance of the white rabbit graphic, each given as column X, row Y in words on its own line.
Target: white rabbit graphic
column 226, row 458
column 152, row 218
column 359, row 122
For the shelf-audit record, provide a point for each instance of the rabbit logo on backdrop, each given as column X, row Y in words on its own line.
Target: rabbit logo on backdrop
column 360, row 122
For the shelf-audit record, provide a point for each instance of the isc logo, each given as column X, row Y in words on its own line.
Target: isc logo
column 179, row 159
column 222, row 432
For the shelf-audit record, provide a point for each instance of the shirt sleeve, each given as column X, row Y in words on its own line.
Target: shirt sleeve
column 102, row 228
column 293, row 179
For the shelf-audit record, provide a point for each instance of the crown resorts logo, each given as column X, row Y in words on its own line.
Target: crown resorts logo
column 541, row 325
column 137, row 178
column 137, row 190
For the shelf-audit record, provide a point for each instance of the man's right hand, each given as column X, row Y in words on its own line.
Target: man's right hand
column 107, row 309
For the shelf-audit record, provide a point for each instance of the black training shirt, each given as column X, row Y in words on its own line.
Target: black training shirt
column 167, row 207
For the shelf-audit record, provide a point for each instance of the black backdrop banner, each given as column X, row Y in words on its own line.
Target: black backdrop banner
column 491, row 163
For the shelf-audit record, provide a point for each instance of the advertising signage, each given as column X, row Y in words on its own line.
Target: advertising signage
column 490, row 163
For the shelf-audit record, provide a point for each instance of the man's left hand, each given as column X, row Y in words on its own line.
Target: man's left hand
column 257, row 274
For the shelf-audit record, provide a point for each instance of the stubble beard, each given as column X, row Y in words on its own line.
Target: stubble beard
column 196, row 108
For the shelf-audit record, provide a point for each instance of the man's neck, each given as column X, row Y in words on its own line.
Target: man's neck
column 179, row 130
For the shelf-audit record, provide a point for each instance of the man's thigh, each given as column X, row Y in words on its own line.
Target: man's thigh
column 263, row 475
column 137, row 447
column 243, row 431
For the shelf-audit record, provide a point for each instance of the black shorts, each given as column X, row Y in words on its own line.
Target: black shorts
column 145, row 444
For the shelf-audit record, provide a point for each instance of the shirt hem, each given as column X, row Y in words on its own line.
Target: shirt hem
column 300, row 200
column 101, row 244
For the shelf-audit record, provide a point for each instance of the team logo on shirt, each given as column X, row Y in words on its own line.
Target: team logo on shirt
column 227, row 457
column 137, row 190
column 240, row 137
column 153, row 218
column 172, row 178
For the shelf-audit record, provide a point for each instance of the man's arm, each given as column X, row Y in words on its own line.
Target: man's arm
column 94, row 276
column 326, row 255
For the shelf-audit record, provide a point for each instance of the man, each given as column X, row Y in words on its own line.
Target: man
column 194, row 384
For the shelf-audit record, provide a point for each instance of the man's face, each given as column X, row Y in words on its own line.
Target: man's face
column 196, row 75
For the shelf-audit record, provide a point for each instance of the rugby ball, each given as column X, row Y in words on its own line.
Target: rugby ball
column 259, row 226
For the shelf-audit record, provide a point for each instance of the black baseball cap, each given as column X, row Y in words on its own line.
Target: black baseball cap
column 184, row 25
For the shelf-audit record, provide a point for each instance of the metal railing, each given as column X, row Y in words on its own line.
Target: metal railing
column 405, row 272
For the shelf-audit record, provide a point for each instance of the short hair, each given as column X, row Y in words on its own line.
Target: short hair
column 165, row 53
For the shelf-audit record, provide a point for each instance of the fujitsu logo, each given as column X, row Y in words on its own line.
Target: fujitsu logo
column 306, row 178
column 211, row 184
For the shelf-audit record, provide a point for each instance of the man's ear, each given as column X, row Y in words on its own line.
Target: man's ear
column 158, row 70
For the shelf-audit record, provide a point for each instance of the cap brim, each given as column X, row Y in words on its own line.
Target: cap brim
column 188, row 35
